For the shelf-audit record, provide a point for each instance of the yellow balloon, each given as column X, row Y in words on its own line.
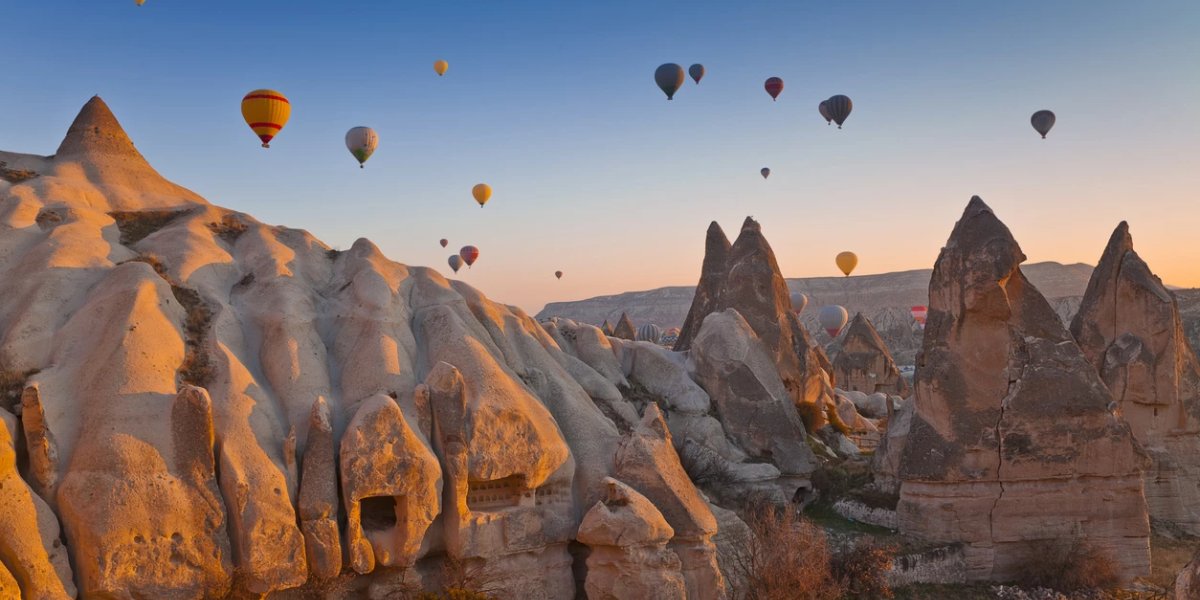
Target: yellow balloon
column 482, row 193
column 846, row 261
column 266, row 112
column 140, row 2
column 441, row 66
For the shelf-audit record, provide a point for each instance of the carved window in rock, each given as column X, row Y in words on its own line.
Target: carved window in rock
column 495, row 494
column 555, row 493
column 379, row 513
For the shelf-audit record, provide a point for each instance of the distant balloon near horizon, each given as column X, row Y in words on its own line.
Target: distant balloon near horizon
column 361, row 142
column 799, row 301
column 1042, row 121
column 482, row 192
column 558, row 274
column 669, row 77
column 697, row 72
column 469, row 254
column 918, row 314
column 846, row 261
column 774, row 87
column 833, row 318
column 456, row 262
column 440, row 67
column 443, row 242
column 839, row 108
column 266, row 112
column 823, row 108
column 649, row 333
column 139, row 2
column 765, row 172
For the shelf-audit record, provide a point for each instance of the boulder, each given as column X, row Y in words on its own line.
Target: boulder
column 647, row 462
column 1011, row 425
column 863, row 364
column 319, row 505
column 1129, row 328
column 734, row 366
column 1187, row 583
column 629, row 556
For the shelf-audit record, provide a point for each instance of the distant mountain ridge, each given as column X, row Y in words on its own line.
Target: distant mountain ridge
column 885, row 298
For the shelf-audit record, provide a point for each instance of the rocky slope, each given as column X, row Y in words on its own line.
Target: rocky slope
column 1011, row 425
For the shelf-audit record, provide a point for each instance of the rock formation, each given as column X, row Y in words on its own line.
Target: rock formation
column 1128, row 327
column 1010, row 426
column 863, row 363
column 629, row 556
column 1187, row 583
column 625, row 329
column 746, row 277
column 213, row 406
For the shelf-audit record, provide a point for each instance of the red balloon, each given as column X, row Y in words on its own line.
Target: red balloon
column 774, row 87
column 558, row 274
column 469, row 254
column 443, row 242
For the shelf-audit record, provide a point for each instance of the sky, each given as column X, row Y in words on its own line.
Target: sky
column 596, row 174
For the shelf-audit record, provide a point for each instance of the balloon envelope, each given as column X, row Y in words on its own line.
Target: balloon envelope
column 839, row 108
column 669, row 78
column 765, row 172
column 443, row 242
column 361, row 142
column 1042, row 121
column 482, row 193
column 919, row 313
column 558, row 274
column 823, row 108
column 266, row 112
column 440, row 67
column 774, row 87
column 833, row 318
column 799, row 301
column 469, row 254
column 697, row 72
column 649, row 333
column 456, row 262
column 846, row 261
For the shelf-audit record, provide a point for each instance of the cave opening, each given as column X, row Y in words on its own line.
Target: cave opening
column 378, row 513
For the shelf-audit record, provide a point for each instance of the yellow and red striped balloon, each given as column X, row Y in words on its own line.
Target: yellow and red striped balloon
column 266, row 112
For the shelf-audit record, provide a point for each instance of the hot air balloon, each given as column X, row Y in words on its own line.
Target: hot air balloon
column 765, row 172
column 846, row 261
column 558, row 274
column 140, row 2
column 697, row 72
column 669, row 78
column 833, row 319
column 918, row 315
column 774, row 87
column 440, row 67
column 823, row 108
column 443, row 242
column 469, row 254
column 266, row 112
column 1042, row 121
column 482, row 192
column 361, row 142
column 839, row 108
column 799, row 301
column 456, row 262
column 649, row 333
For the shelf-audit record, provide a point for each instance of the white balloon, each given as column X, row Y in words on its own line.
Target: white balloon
column 361, row 142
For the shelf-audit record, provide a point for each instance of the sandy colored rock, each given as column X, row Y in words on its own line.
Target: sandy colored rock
column 1129, row 328
column 713, row 272
column 629, row 556
column 625, row 329
column 32, row 559
column 319, row 504
column 647, row 462
column 1187, row 583
column 736, row 370
column 1011, row 427
column 391, row 490
column 863, row 364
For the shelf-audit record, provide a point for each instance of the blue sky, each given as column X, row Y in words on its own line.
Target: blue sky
column 596, row 174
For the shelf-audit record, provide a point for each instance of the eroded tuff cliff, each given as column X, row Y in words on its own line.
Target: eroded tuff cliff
column 862, row 362
column 1129, row 328
column 211, row 404
column 1011, row 425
